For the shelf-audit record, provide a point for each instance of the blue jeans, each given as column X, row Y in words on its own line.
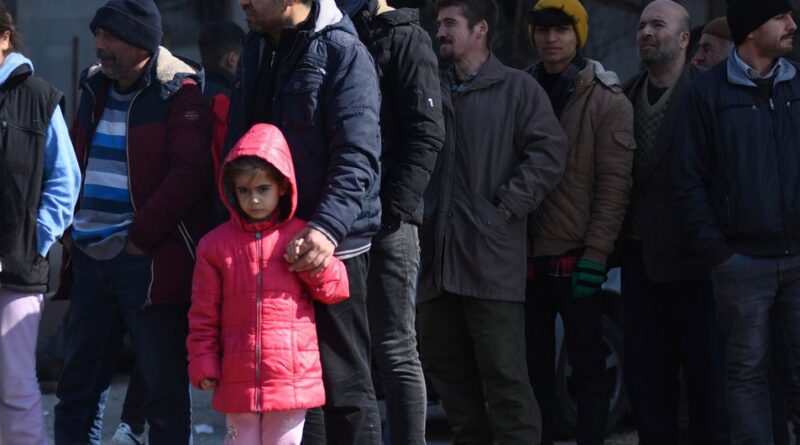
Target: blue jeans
column 391, row 288
column 746, row 290
column 104, row 295
column 132, row 407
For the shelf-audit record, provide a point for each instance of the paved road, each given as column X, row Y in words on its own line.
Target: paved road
column 204, row 416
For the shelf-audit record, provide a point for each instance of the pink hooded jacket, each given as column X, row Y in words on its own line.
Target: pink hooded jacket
column 251, row 324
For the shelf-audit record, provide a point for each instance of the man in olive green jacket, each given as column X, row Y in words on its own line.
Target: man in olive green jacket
column 504, row 152
column 579, row 222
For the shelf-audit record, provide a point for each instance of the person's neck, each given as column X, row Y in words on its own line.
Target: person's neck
column 667, row 74
column 297, row 14
column 129, row 79
column 471, row 63
column 750, row 56
column 558, row 67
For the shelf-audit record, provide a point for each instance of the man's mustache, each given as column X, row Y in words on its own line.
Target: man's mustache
column 105, row 55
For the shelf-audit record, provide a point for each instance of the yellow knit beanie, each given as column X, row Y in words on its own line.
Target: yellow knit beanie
column 572, row 8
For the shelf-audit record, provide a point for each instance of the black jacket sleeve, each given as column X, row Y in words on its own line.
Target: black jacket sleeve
column 693, row 147
column 412, row 89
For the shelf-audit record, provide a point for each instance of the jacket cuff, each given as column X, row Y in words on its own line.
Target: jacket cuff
column 595, row 255
column 510, row 204
column 324, row 232
column 206, row 367
column 718, row 253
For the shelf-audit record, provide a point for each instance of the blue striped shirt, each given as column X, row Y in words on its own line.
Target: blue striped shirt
column 106, row 213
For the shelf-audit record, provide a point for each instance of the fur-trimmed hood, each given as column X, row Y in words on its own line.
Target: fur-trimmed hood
column 169, row 70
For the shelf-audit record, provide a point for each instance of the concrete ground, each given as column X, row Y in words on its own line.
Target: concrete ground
column 209, row 426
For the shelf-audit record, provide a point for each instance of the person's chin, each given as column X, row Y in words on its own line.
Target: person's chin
column 109, row 72
column 256, row 216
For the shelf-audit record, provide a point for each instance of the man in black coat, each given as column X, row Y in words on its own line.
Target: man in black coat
column 668, row 324
column 738, row 197
column 412, row 130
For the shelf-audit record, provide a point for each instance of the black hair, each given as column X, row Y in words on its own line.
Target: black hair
column 7, row 24
column 549, row 18
column 218, row 38
column 475, row 11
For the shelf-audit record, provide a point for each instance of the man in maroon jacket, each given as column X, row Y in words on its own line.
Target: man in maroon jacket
column 142, row 135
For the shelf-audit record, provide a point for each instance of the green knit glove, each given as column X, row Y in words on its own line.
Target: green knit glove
column 587, row 278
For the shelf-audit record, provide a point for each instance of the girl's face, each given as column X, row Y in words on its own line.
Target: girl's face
column 258, row 194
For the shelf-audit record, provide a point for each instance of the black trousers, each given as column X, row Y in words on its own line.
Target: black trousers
column 350, row 415
column 669, row 329
column 546, row 296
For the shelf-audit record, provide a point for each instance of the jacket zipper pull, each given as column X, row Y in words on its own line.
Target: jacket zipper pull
column 771, row 104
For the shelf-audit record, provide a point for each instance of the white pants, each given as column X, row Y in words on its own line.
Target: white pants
column 21, row 414
column 272, row 428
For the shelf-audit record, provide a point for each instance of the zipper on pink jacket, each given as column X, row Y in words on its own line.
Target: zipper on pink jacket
column 258, row 325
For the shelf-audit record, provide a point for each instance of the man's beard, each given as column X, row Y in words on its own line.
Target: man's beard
column 661, row 56
column 266, row 20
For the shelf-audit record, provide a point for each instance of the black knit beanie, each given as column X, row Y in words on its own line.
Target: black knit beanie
column 745, row 16
column 137, row 22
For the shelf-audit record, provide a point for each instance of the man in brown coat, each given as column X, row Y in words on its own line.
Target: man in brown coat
column 504, row 152
column 580, row 219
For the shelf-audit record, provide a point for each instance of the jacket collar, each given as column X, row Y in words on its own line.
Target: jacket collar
column 490, row 73
column 165, row 70
column 595, row 70
column 665, row 132
column 400, row 16
column 740, row 73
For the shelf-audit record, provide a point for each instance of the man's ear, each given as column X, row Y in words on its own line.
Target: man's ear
column 483, row 27
column 685, row 38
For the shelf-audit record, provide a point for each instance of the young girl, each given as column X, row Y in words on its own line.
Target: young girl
column 252, row 336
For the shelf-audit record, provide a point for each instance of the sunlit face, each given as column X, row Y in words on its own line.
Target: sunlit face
column 660, row 38
column 264, row 15
column 711, row 50
column 456, row 38
column 774, row 38
column 258, row 194
column 118, row 59
column 556, row 45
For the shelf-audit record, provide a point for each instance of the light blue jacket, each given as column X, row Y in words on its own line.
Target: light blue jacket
column 62, row 176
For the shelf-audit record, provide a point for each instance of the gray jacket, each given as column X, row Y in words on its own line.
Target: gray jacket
column 504, row 145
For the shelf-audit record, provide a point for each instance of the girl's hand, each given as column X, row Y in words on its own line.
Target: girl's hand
column 207, row 384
